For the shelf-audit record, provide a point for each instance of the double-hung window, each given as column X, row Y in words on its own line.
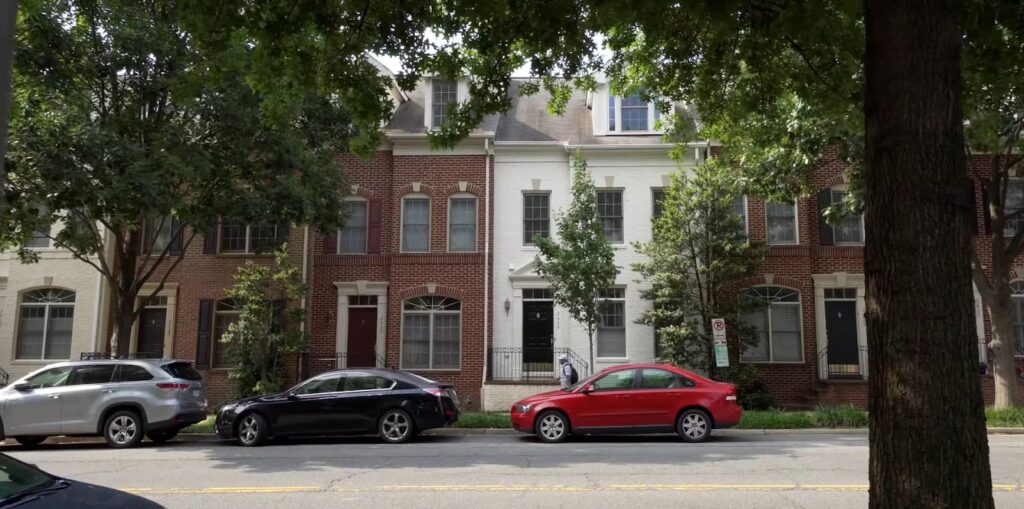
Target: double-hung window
column 352, row 236
column 248, row 238
column 1017, row 298
column 609, row 212
column 739, row 208
column 536, row 216
column 462, row 224
column 45, row 323
column 630, row 114
column 1014, row 208
column 777, row 324
column 850, row 228
column 415, row 225
column 611, row 329
column 781, row 223
column 443, row 96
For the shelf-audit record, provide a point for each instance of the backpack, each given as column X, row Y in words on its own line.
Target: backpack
column 573, row 375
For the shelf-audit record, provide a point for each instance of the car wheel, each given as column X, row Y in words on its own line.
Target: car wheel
column 396, row 427
column 252, row 430
column 161, row 436
column 552, row 427
column 694, row 426
column 30, row 441
column 123, row 429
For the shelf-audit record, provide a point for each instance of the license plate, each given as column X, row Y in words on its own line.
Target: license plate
column 195, row 393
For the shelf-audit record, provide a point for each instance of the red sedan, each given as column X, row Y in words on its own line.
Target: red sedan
column 633, row 398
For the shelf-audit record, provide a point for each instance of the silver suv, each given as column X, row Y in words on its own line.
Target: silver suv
column 122, row 400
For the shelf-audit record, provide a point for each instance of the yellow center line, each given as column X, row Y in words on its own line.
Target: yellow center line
column 518, row 488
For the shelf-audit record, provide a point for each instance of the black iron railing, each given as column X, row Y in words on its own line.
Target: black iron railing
column 92, row 356
column 4, row 377
column 312, row 364
column 829, row 371
column 531, row 364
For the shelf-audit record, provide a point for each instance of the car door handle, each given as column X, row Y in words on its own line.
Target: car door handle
column 54, row 396
column 109, row 391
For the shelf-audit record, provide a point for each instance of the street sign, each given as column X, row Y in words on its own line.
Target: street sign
column 718, row 329
column 721, row 348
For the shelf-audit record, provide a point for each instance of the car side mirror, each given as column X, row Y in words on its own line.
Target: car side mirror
column 292, row 395
column 22, row 386
column 588, row 389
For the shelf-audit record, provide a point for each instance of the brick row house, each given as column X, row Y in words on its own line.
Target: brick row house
column 433, row 271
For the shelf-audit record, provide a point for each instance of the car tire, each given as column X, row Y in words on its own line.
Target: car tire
column 123, row 429
column 694, row 426
column 552, row 427
column 396, row 427
column 30, row 441
column 253, row 430
column 160, row 437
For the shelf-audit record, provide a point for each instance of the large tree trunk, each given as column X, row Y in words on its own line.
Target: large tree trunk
column 1003, row 346
column 928, row 446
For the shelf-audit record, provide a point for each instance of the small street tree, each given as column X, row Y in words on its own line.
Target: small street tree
column 580, row 264
column 698, row 255
column 258, row 341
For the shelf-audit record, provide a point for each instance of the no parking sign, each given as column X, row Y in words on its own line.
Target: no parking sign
column 721, row 349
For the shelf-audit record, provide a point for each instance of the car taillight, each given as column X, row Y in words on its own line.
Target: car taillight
column 731, row 395
column 730, row 398
column 173, row 386
column 435, row 391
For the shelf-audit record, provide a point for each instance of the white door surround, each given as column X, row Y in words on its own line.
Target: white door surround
column 839, row 280
column 361, row 287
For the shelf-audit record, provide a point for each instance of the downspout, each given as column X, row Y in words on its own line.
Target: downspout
column 487, row 254
column 96, row 313
column 305, row 263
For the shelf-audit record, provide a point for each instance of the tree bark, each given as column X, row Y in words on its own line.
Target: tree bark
column 928, row 444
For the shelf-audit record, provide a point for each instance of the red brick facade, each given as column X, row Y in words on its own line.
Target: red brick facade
column 386, row 179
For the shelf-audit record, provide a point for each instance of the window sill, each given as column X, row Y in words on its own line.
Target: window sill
column 848, row 244
column 425, row 370
column 28, row 362
column 782, row 243
column 245, row 255
column 634, row 133
column 792, row 363
column 621, row 360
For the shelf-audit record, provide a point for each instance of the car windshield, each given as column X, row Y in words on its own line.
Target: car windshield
column 17, row 477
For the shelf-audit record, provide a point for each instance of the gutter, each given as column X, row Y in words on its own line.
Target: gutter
column 487, row 254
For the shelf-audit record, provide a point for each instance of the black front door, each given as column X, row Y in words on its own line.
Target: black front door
column 538, row 332
column 151, row 332
column 841, row 328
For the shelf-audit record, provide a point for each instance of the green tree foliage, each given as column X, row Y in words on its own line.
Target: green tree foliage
column 265, row 330
column 580, row 263
column 697, row 258
column 121, row 116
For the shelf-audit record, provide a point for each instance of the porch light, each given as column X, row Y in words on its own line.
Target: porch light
column 508, row 305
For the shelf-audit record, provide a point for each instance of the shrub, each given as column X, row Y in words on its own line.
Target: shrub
column 751, row 393
column 775, row 419
column 1012, row 417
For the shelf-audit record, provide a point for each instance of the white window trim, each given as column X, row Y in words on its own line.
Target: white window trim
column 213, row 333
column 618, row 119
column 625, row 329
column 366, row 229
column 401, row 222
column 431, row 314
column 1009, row 231
column 796, row 225
column 461, row 94
column 800, row 307
column 844, row 188
column 476, row 222
column 1013, row 297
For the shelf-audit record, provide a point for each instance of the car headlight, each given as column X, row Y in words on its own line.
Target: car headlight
column 522, row 409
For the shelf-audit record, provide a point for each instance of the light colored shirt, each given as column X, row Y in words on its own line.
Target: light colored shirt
column 566, row 376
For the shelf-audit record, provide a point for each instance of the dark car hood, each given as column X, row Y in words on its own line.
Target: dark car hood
column 81, row 495
column 255, row 399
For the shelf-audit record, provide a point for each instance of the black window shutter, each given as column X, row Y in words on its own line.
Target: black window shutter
column 988, row 210
column 277, row 319
column 824, row 229
column 282, row 233
column 177, row 234
column 205, row 333
column 211, row 240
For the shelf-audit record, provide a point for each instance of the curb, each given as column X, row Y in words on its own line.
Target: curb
column 449, row 432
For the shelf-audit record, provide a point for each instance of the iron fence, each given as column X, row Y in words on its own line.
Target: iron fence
column 531, row 364
column 93, row 356
column 828, row 371
column 4, row 377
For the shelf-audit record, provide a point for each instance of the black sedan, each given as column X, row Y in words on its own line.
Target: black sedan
column 394, row 405
column 26, row 487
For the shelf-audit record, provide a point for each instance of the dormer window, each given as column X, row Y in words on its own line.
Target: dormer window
column 443, row 94
column 630, row 114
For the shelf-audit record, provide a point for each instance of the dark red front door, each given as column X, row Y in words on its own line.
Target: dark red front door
column 362, row 337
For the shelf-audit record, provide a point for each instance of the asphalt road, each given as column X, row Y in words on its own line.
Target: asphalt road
column 734, row 471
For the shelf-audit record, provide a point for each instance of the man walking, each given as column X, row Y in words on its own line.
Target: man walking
column 567, row 374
